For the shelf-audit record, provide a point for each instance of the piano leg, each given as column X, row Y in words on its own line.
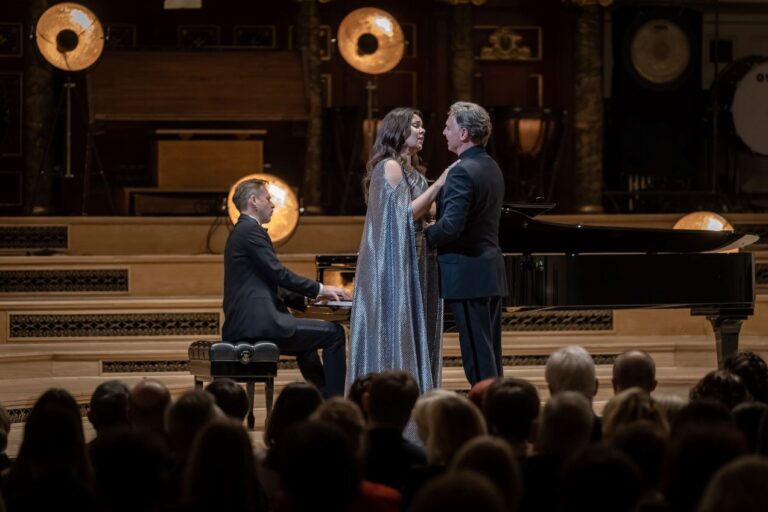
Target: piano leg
column 726, row 335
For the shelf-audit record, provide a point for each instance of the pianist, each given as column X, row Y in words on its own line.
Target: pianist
column 257, row 286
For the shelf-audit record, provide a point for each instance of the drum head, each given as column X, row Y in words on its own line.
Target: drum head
column 750, row 108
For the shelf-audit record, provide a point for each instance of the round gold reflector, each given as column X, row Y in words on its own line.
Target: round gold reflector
column 69, row 36
column 286, row 214
column 371, row 40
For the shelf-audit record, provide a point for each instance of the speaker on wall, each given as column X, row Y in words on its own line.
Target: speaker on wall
column 655, row 118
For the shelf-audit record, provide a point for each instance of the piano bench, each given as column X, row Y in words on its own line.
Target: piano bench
column 241, row 361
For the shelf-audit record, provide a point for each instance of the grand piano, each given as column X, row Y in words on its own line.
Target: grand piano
column 553, row 266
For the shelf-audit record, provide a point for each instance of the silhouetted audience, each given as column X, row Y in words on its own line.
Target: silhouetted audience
column 694, row 456
column 230, row 397
column 319, row 471
column 221, row 474
column 295, row 403
column 347, row 417
column 634, row 368
column 147, row 403
column 631, row 405
column 647, row 444
column 387, row 455
column 51, row 471
column 477, row 392
column 185, row 418
column 572, row 369
column 108, row 408
column 132, row 472
column 600, row 479
column 720, row 386
column 696, row 414
column 493, row 458
column 739, row 486
column 566, row 427
column 748, row 417
column 511, row 409
column 459, row 491
column 753, row 372
column 357, row 389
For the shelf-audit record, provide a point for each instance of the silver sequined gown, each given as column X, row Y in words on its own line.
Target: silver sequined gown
column 397, row 313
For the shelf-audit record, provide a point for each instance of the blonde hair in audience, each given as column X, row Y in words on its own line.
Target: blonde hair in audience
column 452, row 420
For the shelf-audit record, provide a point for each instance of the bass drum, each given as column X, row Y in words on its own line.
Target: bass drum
column 743, row 89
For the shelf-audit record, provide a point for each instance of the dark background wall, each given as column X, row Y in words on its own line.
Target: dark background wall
column 421, row 79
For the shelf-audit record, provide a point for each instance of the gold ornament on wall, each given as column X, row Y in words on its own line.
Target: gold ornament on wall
column 509, row 43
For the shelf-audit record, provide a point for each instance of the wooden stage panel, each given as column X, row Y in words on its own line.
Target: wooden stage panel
column 198, row 86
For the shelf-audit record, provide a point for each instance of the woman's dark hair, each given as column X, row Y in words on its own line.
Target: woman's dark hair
column 721, row 386
column 390, row 138
column 296, row 403
column 221, row 474
column 753, row 372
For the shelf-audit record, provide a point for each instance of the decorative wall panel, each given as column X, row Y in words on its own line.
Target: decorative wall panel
column 64, row 280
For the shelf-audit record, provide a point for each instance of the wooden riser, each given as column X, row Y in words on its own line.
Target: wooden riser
column 187, row 318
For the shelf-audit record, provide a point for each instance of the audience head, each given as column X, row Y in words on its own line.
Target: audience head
column 357, row 389
column 295, row 403
column 566, row 425
column 221, row 474
column 748, row 417
column 390, row 399
column 634, row 368
column 147, row 404
column 458, row 491
column 186, row 417
column 739, row 486
column 604, row 468
column 318, row 470
column 752, row 370
column 494, row 459
column 695, row 455
column 512, row 410
column 132, row 471
column 721, row 386
column 453, row 420
column 631, row 405
column 109, row 406
column 421, row 411
column 695, row 414
column 647, row 445
column 571, row 369
column 230, row 397
column 670, row 404
column 344, row 415
column 478, row 391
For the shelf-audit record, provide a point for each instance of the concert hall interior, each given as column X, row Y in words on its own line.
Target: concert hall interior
column 631, row 136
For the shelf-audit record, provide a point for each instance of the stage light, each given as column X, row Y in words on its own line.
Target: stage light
column 705, row 221
column 285, row 218
column 69, row 36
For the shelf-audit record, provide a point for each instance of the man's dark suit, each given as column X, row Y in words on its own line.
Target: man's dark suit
column 472, row 277
column 256, row 286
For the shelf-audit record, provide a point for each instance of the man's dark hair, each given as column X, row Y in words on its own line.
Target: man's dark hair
column 721, row 386
column 391, row 397
column 510, row 407
column 109, row 405
column 230, row 397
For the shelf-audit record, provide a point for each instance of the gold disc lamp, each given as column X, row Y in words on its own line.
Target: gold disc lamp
column 371, row 40
column 285, row 218
column 705, row 221
column 69, row 36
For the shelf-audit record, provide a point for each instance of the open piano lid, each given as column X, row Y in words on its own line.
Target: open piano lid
column 520, row 233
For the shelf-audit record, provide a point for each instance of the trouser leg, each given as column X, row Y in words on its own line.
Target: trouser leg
column 311, row 336
column 479, row 327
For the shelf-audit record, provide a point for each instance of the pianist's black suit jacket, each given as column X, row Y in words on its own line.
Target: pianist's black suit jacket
column 467, row 230
column 256, row 286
